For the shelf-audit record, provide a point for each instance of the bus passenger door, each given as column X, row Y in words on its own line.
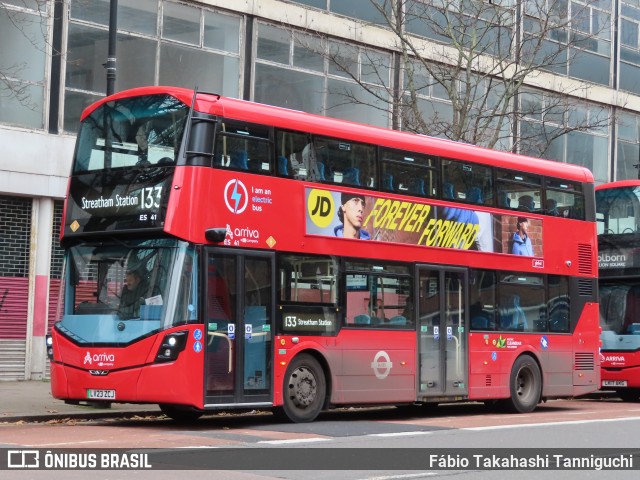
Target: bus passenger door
column 239, row 325
column 442, row 332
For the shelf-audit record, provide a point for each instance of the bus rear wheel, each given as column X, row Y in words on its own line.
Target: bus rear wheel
column 304, row 389
column 181, row 413
column 525, row 385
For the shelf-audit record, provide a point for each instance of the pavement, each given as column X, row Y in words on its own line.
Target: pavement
column 31, row 401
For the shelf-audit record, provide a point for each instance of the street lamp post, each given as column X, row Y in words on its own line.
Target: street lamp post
column 111, row 55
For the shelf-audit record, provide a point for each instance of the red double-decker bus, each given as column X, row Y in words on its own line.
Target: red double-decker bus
column 223, row 254
column 618, row 220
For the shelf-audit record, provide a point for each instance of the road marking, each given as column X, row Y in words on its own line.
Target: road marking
column 399, row 434
column 295, row 440
column 44, row 445
column 198, row 447
column 407, row 475
column 547, row 424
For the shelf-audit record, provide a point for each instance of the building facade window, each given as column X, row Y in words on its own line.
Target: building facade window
column 627, row 146
column 24, row 36
column 580, row 45
column 370, row 11
column 590, row 55
column 566, row 131
column 158, row 42
column 629, row 34
column 304, row 72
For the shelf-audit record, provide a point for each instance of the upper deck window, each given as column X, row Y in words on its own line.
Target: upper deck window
column 564, row 198
column 133, row 132
column 407, row 172
column 242, row 146
column 344, row 162
column 467, row 182
column 519, row 191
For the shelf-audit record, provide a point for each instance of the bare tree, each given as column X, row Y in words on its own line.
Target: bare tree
column 475, row 60
column 25, row 26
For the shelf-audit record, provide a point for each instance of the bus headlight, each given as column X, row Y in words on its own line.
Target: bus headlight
column 48, row 339
column 172, row 345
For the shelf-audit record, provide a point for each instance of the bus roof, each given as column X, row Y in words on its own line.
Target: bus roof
column 320, row 125
column 619, row 184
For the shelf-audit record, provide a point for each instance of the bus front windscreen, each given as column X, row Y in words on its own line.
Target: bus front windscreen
column 142, row 132
column 619, row 303
column 116, row 292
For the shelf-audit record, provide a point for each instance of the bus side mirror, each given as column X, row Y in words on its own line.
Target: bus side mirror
column 215, row 235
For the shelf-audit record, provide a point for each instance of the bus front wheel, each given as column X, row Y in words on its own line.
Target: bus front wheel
column 304, row 389
column 525, row 385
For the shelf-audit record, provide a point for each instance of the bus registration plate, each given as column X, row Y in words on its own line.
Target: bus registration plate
column 101, row 394
column 614, row 383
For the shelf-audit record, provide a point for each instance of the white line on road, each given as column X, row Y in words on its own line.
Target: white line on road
column 405, row 476
column 45, row 445
column 547, row 424
column 399, row 434
column 295, row 440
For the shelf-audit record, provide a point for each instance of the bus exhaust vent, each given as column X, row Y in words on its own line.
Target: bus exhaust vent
column 584, row 259
column 487, row 381
column 584, row 361
column 585, row 287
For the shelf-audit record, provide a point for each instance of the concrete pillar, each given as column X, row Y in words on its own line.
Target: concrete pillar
column 39, row 277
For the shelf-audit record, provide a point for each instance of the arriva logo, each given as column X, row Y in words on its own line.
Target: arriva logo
column 100, row 359
column 235, row 196
column 246, row 232
column 320, row 207
column 614, row 358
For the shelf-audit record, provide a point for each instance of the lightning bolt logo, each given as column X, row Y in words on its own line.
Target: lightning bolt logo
column 235, row 196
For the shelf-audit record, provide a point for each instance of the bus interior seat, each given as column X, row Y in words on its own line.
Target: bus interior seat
column 362, row 319
column 398, row 320
column 320, row 169
column 474, row 195
column 283, row 166
column 519, row 317
column 552, row 207
column 351, row 176
column 559, row 321
column 447, row 191
column 526, row 203
column 165, row 161
column 634, row 329
column 504, row 200
column 506, row 320
column 387, row 182
column 240, row 160
column 513, row 317
column 479, row 323
column 417, row 186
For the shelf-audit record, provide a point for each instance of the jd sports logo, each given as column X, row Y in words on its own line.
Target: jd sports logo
column 320, row 207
